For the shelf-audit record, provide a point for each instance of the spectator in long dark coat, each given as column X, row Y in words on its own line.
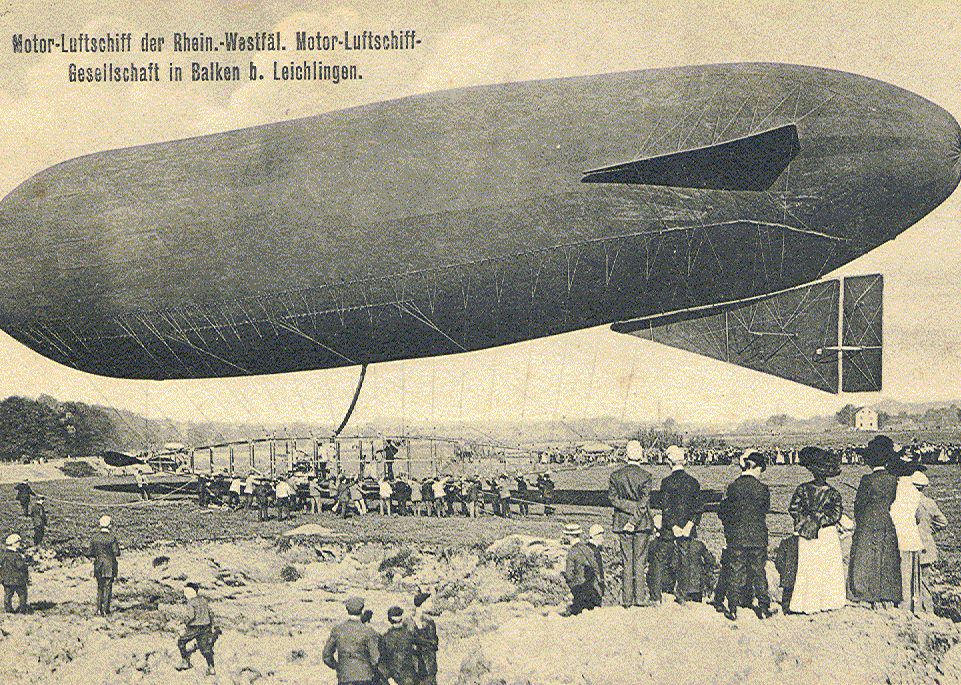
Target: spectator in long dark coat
column 874, row 576
column 424, row 631
column 680, row 513
column 104, row 550
column 747, row 502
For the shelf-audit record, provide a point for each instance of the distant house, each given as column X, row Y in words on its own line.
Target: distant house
column 866, row 419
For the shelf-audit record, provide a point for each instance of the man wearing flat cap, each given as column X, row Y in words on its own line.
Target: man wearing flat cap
column 584, row 571
column 353, row 648
column 13, row 574
column 398, row 659
column 198, row 629
column 680, row 513
column 629, row 491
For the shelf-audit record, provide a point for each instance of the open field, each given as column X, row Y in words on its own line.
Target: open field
column 498, row 616
column 840, row 437
column 74, row 505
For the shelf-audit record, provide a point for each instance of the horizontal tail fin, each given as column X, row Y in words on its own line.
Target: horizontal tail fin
column 792, row 334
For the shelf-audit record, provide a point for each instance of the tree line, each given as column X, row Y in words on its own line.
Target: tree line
column 30, row 429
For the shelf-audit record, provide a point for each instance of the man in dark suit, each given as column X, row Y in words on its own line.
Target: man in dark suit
column 629, row 490
column 398, row 658
column 356, row 646
column 14, row 575
column 24, row 493
column 680, row 513
column 745, row 507
column 104, row 549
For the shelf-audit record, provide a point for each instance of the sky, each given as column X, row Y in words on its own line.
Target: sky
column 44, row 119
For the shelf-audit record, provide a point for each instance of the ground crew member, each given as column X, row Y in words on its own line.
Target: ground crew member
column 353, row 648
column 440, row 505
column 416, row 496
column 283, row 493
column 427, row 495
column 23, row 495
column 385, row 493
column 14, row 575
column 402, row 492
column 249, row 486
column 262, row 493
column 343, row 496
column 390, row 452
column 546, row 485
column 398, row 659
column 357, row 496
column 199, row 629
column 233, row 495
column 313, row 486
column 473, row 496
column 203, row 491
column 104, row 550
column 504, row 495
column 522, row 495
column 142, row 485
column 38, row 514
column 584, row 571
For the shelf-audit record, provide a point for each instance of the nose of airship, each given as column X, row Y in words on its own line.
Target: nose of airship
column 943, row 134
column 920, row 146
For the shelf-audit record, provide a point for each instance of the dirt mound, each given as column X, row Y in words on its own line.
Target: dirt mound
column 500, row 623
column 695, row 644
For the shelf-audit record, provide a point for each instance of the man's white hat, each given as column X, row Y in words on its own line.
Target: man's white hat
column 572, row 530
column 918, row 478
column 105, row 522
column 595, row 531
column 12, row 540
column 676, row 454
column 634, row 451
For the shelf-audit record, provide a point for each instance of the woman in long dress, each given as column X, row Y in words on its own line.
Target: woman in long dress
column 816, row 509
column 874, row 578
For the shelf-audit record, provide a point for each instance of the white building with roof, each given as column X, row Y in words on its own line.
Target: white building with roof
column 866, row 419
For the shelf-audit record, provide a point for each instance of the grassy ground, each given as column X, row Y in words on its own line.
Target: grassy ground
column 840, row 438
column 75, row 505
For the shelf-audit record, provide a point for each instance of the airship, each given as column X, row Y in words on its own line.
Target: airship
column 701, row 207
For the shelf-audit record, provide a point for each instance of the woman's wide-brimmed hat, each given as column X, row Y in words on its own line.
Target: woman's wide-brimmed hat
column 820, row 462
column 880, row 451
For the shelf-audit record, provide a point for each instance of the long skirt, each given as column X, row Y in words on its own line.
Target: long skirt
column 819, row 585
